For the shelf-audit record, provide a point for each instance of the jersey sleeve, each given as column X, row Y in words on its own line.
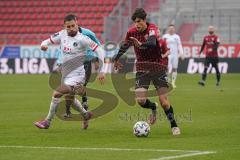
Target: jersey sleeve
column 128, row 41
column 55, row 38
column 94, row 38
column 91, row 35
column 127, row 37
column 90, row 43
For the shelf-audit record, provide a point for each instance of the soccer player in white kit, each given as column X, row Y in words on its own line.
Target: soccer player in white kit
column 176, row 51
column 74, row 46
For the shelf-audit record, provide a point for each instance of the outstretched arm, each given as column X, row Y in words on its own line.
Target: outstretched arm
column 123, row 48
column 151, row 42
column 45, row 43
column 55, row 38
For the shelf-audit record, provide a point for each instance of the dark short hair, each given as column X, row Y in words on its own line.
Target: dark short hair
column 171, row 25
column 70, row 17
column 139, row 13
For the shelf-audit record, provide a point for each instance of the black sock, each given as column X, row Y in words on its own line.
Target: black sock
column 204, row 75
column 68, row 106
column 84, row 98
column 170, row 115
column 150, row 105
column 218, row 77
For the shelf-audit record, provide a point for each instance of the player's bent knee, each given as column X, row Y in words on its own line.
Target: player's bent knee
column 57, row 94
column 79, row 90
column 69, row 97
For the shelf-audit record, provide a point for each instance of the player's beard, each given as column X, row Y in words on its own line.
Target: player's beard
column 72, row 33
column 211, row 32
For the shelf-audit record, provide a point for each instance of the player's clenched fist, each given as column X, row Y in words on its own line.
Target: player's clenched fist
column 44, row 48
column 101, row 78
column 117, row 65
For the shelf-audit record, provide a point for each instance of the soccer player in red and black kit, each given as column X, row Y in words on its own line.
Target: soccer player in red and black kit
column 211, row 42
column 150, row 66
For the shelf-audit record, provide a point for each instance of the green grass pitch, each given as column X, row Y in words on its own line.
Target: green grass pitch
column 209, row 119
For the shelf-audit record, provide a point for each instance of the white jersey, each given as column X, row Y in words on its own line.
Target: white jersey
column 74, row 50
column 174, row 43
column 72, row 46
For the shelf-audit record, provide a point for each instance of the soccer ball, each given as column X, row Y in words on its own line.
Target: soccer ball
column 141, row 129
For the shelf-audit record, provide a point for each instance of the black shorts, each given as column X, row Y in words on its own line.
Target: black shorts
column 88, row 71
column 211, row 60
column 143, row 80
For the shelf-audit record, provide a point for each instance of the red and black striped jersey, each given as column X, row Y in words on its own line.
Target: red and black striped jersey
column 147, row 58
column 210, row 41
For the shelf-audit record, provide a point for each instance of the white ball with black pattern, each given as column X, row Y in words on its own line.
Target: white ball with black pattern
column 141, row 129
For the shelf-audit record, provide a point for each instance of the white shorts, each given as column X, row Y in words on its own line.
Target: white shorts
column 172, row 62
column 75, row 77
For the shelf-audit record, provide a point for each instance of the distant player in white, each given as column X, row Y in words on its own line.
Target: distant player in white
column 176, row 51
column 74, row 46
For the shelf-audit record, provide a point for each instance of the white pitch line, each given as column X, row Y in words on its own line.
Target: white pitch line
column 108, row 149
column 189, row 153
column 185, row 155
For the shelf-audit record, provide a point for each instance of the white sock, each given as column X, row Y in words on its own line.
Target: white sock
column 53, row 108
column 174, row 77
column 78, row 106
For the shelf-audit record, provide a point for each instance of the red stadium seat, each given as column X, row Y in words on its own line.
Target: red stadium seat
column 23, row 21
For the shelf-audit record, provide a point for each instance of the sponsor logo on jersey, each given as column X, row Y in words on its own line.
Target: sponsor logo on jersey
column 152, row 32
column 75, row 44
